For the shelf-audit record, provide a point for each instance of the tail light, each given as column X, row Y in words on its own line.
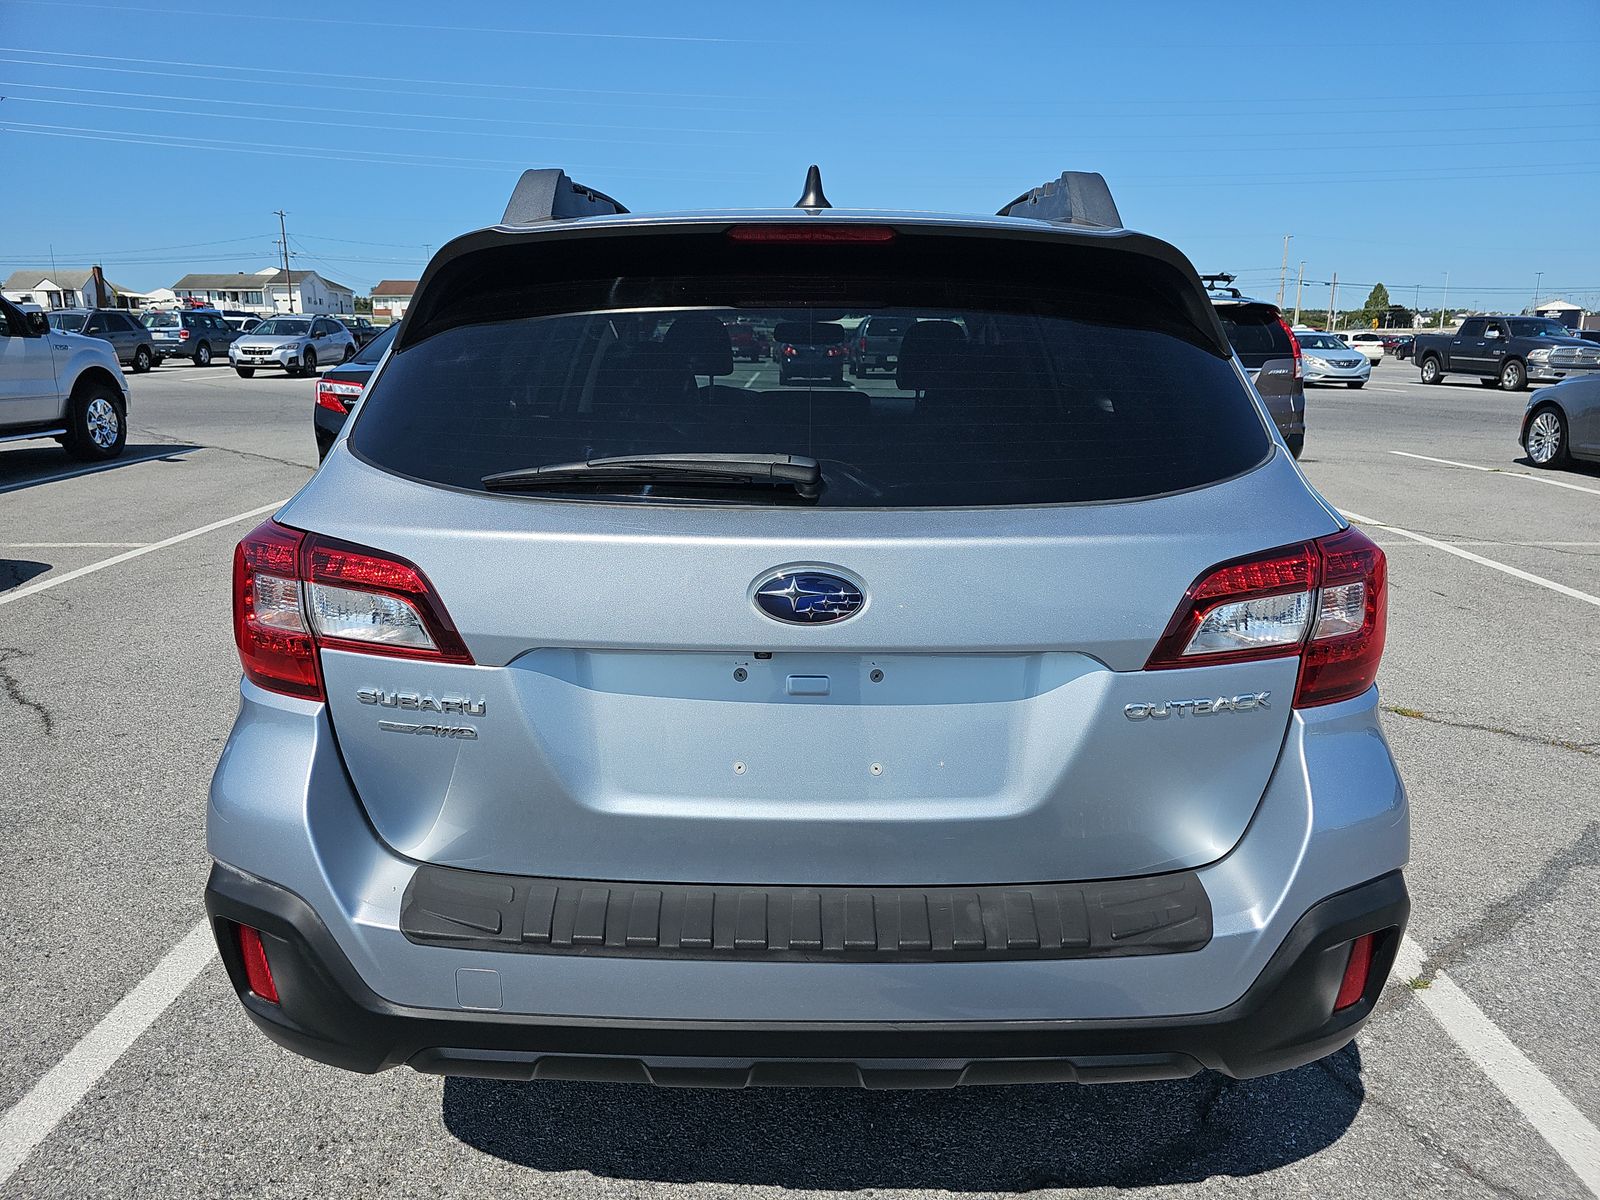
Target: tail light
column 1294, row 344
column 862, row 345
column 1325, row 601
column 183, row 335
column 296, row 593
column 337, row 395
column 257, row 971
column 789, row 351
column 837, row 352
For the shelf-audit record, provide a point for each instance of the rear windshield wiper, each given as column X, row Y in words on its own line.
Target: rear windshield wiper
column 802, row 473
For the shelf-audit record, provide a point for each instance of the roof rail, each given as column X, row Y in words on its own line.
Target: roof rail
column 549, row 195
column 1077, row 198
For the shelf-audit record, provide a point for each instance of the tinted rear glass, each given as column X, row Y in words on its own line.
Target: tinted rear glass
column 283, row 327
column 886, row 326
column 1257, row 333
column 67, row 322
column 1010, row 390
column 161, row 320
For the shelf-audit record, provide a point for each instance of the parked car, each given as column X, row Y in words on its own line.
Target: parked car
column 1370, row 345
column 597, row 724
column 1329, row 360
column 130, row 340
column 875, row 344
column 1506, row 352
column 360, row 328
column 338, row 389
column 55, row 383
column 293, row 344
column 810, row 350
column 1403, row 347
column 200, row 335
column 1270, row 353
column 749, row 343
column 1562, row 423
column 1588, row 335
column 243, row 321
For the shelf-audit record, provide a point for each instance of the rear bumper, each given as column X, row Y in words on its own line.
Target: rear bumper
column 1284, row 1019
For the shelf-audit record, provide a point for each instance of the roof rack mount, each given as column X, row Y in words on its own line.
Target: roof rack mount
column 551, row 195
column 1077, row 198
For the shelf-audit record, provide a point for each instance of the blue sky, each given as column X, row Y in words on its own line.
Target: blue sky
column 157, row 137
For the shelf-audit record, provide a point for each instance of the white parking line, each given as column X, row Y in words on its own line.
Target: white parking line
column 1557, row 1120
column 31, row 1119
column 751, row 382
column 67, row 576
column 98, row 467
column 1450, row 462
column 68, row 545
column 1504, row 568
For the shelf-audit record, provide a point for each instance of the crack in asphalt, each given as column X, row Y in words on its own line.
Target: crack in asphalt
column 1533, row 739
column 13, row 690
column 1501, row 917
column 165, row 440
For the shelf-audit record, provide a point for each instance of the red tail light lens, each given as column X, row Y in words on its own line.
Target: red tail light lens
column 808, row 232
column 1294, row 344
column 1325, row 601
column 789, row 351
column 862, row 345
column 296, row 593
column 183, row 335
column 257, row 971
column 1356, row 972
column 1341, row 658
column 337, row 395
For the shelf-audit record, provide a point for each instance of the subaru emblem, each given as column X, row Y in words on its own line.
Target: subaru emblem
column 807, row 596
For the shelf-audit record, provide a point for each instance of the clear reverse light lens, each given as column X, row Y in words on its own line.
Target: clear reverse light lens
column 366, row 617
column 275, row 603
column 1343, row 610
column 1252, row 625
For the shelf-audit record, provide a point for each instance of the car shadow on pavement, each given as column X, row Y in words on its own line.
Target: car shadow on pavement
column 988, row 1139
column 14, row 572
column 29, row 466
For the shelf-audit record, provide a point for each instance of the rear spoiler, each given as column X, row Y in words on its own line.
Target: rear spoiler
column 1077, row 198
column 550, row 195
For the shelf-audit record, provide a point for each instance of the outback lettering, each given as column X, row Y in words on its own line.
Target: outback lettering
column 1201, row 707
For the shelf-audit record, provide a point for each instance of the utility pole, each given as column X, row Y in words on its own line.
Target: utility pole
column 1333, row 299
column 1283, row 271
column 1416, row 307
column 1538, row 278
column 288, row 281
column 1444, row 303
column 1299, row 286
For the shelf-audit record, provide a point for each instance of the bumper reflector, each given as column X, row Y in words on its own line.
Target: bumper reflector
column 1356, row 971
column 256, row 969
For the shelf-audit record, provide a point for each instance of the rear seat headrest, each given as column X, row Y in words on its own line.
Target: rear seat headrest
column 702, row 341
column 925, row 351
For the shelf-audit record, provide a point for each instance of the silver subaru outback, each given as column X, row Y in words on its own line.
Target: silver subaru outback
column 613, row 710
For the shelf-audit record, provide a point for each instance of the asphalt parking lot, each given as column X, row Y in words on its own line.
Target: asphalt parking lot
column 117, row 688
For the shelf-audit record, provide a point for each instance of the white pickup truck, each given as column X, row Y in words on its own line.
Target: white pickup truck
column 60, row 385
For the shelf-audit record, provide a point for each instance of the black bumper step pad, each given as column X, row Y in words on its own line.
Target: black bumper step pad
column 1163, row 914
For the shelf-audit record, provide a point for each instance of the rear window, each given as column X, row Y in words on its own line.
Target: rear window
column 887, row 326
column 161, row 320
column 374, row 350
column 1010, row 389
column 1257, row 333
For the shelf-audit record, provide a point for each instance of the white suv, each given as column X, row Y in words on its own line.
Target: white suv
column 60, row 385
column 1368, row 344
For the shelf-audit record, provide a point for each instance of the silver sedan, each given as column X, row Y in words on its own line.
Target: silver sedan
column 1562, row 423
column 297, row 345
column 1326, row 359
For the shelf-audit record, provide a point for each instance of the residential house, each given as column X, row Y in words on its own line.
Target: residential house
column 59, row 289
column 264, row 292
column 391, row 298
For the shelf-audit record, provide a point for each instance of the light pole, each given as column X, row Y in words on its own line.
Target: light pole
column 1299, row 286
column 1416, row 307
column 1445, row 300
column 1283, row 271
column 1538, row 278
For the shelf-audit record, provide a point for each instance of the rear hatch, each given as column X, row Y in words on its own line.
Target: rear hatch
column 933, row 671
column 1266, row 350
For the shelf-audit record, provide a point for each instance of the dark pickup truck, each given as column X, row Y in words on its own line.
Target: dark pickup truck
column 1506, row 352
